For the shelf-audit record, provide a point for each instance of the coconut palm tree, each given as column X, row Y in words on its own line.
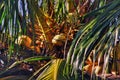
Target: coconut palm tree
column 95, row 43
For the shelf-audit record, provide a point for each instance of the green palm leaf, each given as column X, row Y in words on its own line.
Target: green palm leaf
column 53, row 71
column 98, row 35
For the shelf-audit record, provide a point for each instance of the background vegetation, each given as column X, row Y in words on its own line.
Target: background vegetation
column 59, row 39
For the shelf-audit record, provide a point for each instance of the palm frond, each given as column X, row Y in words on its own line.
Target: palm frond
column 53, row 71
column 98, row 35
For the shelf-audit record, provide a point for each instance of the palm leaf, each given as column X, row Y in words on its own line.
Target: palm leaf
column 98, row 35
column 53, row 71
column 30, row 59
